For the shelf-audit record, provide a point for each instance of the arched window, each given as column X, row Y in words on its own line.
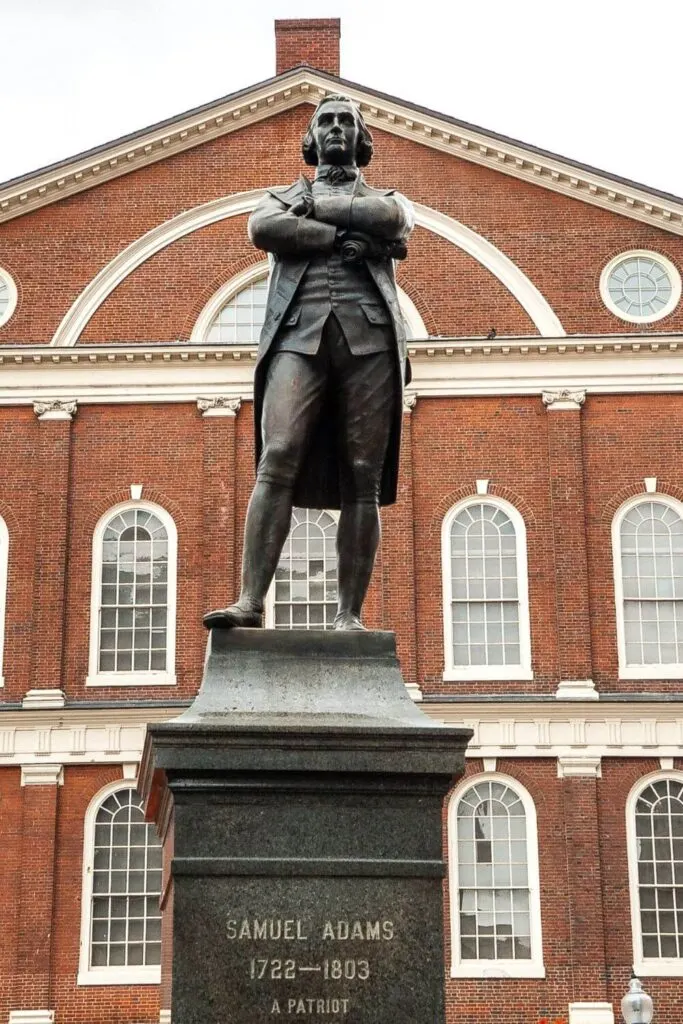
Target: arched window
column 494, row 885
column 4, row 554
column 234, row 315
column 304, row 592
column 648, row 568
column 120, row 919
column 132, row 636
column 654, row 828
column 486, row 605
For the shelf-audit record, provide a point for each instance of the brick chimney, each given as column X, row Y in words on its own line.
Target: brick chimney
column 313, row 41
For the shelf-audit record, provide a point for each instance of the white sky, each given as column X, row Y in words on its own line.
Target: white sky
column 598, row 81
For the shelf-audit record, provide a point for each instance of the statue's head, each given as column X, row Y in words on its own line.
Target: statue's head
column 337, row 134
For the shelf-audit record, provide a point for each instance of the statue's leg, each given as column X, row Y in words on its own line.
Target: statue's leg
column 294, row 391
column 366, row 398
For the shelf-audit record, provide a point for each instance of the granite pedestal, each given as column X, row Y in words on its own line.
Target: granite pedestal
column 304, row 791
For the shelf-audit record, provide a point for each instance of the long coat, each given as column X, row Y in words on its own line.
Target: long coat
column 292, row 242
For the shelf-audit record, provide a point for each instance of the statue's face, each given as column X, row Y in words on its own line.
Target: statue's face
column 336, row 133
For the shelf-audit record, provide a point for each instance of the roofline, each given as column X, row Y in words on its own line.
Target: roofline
column 30, row 191
column 264, row 83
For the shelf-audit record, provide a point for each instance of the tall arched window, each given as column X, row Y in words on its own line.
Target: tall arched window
column 4, row 556
column 648, row 568
column 304, row 591
column 494, row 885
column 654, row 828
column 120, row 919
column 234, row 315
column 132, row 636
column 486, row 605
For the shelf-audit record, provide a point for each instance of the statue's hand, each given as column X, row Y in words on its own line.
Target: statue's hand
column 356, row 246
column 302, row 207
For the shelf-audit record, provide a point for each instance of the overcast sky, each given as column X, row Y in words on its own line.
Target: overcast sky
column 598, row 81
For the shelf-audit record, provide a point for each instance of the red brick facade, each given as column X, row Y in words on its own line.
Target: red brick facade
column 566, row 471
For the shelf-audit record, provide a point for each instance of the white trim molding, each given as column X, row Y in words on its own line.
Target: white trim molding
column 31, row 1017
column 12, row 296
column 42, row 775
column 532, row 968
column 650, row 318
column 158, row 238
column 645, row 967
column 36, row 700
column 476, row 672
column 166, row 677
column 626, row 670
column 591, row 1013
column 80, row 736
column 393, row 115
column 145, row 373
column 88, row 975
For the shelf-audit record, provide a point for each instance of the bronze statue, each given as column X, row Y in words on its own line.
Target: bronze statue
column 331, row 362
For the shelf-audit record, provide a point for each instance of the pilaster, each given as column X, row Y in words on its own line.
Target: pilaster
column 52, row 527
column 584, row 880
column 218, row 498
column 565, row 451
column 40, row 787
column 398, row 557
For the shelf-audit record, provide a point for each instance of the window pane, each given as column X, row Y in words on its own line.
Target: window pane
column 240, row 320
column 651, row 536
column 135, row 552
column 494, row 905
column 306, row 578
column 660, row 869
column 125, row 904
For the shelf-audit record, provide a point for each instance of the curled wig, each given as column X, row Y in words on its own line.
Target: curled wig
column 363, row 146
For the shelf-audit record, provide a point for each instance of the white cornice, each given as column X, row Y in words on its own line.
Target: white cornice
column 394, row 116
column 442, row 367
column 84, row 736
column 577, row 734
column 568, row 731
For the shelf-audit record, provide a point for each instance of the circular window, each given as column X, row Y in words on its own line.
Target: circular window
column 8, row 296
column 640, row 286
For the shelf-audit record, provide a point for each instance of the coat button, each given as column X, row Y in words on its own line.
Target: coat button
column 276, row 316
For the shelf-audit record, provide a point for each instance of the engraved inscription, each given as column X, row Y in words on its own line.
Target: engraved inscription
column 338, row 972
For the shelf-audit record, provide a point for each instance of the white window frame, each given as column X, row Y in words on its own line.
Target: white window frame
column 4, row 563
column 269, row 606
column 673, row 671
column 133, row 678
column 415, row 325
column 13, row 296
column 534, row 967
column 661, row 967
column 453, row 673
column 649, row 254
column 87, row 975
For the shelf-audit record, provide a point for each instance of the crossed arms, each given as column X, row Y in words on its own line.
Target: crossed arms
column 313, row 227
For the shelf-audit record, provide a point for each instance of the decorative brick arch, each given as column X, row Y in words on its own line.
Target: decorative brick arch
column 104, row 283
column 637, row 489
column 453, row 497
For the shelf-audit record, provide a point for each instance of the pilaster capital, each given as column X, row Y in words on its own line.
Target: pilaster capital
column 578, row 766
column 219, row 405
column 409, row 401
column 564, row 399
column 55, row 409
column 42, row 774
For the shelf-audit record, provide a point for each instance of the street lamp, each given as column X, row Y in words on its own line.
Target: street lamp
column 636, row 1006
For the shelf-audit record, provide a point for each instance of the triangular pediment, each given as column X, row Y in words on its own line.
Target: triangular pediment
column 396, row 116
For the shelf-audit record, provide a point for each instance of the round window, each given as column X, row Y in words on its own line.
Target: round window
column 640, row 286
column 8, row 296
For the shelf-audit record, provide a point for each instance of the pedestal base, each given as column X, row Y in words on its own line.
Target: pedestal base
column 307, row 795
